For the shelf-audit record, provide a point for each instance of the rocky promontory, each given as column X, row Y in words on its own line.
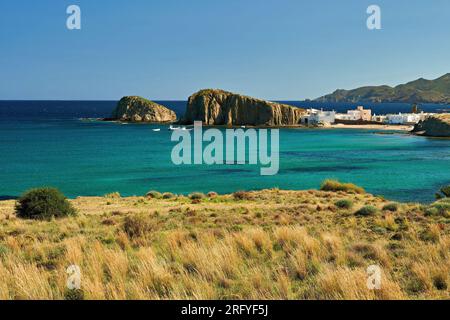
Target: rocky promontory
column 434, row 126
column 218, row 107
column 138, row 109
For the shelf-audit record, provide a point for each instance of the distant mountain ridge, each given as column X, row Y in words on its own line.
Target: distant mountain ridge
column 418, row 91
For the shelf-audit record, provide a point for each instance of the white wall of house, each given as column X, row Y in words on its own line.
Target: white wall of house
column 404, row 118
column 315, row 116
column 354, row 115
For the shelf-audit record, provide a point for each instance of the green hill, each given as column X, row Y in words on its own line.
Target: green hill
column 418, row 91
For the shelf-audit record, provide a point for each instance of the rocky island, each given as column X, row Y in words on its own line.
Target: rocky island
column 435, row 126
column 138, row 109
column 219, row 107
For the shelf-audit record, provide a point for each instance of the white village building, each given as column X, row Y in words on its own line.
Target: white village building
column 315, row 117
column 355, row 115
column 405, row 118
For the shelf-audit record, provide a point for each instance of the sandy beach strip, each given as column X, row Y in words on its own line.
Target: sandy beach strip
column 372, row 127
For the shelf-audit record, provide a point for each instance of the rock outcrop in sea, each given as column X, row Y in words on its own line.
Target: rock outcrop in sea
column 434, row 126
column 138, row 109
column 218, row 107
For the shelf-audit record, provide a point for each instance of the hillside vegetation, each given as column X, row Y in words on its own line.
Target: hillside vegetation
column 418, row 91
column 268, row 244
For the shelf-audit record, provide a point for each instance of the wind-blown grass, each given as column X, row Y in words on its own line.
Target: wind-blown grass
column 274, row 245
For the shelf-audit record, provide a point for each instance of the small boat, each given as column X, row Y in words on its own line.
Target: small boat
column 172, row 128
column 156, row 130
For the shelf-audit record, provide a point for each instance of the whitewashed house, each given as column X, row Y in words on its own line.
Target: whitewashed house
column 405, row 118
column 315, row 117
column 356, row 115
column 379, row 118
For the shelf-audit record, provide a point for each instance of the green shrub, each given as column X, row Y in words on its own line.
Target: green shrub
column 366, row 211
column 74, row 294
column 431, row 212
column 43, row 204
column 440, row 207
column 391, row 207
column 242, row 195
column 136, row 226
column 113, row 195
column 168, row 195
column 196, row 196
column 444, row 192
column 344, row 204
column 154, row 195
column 334, row 185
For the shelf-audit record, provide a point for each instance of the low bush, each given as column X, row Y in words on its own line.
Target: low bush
column 196, row 196
column 242, row 195
column 366, row 211
column 334, row 185
column 154, row 195
column 440, row 207
column 43, row 204
column 391, row 207
column 113, row 195
column 135, row 226
column 344, row 204
column 212, row 194
column 444, row 192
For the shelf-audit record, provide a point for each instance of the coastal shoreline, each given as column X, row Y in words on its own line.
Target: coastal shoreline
column 404, row 128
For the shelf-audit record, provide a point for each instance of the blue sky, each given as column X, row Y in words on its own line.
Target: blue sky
column 273, row 49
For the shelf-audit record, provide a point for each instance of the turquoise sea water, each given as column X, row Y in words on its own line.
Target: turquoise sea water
column 84, row 158
column 94, row 158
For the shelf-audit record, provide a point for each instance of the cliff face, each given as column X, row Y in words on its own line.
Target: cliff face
column 137, row 109
column 435, row 126
column 218, row 107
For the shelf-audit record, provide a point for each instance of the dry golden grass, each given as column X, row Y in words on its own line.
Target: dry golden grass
column 270, row 244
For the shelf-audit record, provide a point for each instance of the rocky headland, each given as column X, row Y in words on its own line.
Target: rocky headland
column 435, row 126
column 417, row 91
column 218, row 107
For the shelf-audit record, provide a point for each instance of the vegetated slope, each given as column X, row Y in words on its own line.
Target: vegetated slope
column 268, row 244
column 418, row 91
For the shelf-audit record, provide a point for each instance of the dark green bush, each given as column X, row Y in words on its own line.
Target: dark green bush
column 391, row 207
column 43, row 204
column 168, row 195
column 74, row 294
column 444, row 192
column 344, row 204
column 196, row 196
column 440, row 207
column 334, row 185
column 154, row 195
column 366, row 211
